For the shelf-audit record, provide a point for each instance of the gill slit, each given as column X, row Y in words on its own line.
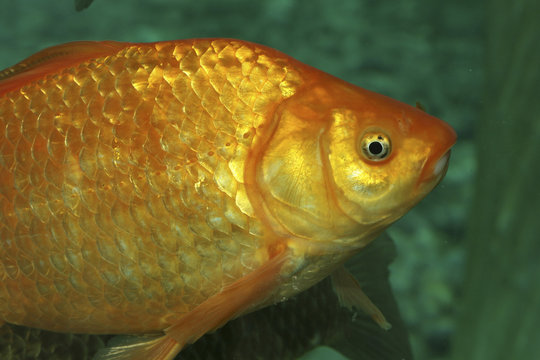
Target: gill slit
column 275, row 234
column 328, row 174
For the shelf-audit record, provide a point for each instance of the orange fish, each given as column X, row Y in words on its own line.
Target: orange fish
column 166, row 188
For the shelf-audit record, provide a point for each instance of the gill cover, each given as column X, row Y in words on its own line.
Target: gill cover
column 292, row 175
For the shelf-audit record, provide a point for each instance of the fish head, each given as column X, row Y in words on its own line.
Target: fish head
column 344, row 162
column 383, row 156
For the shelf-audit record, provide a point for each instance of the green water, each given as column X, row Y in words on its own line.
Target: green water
column 415, row 50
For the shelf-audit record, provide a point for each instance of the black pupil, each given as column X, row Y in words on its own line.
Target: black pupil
column 375, row 148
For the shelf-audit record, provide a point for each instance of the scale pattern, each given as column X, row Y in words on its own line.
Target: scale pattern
column 122, row 196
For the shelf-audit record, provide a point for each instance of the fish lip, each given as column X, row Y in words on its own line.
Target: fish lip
column 435, row 172
column 441, row 166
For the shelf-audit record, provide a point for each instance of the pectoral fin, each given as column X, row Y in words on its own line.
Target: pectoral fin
column 350, row 295
column 234, row 300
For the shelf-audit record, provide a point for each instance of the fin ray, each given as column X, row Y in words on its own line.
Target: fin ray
column 350, row 295
column 136, row 348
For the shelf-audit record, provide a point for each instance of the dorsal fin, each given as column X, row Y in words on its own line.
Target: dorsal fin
column 53, row 59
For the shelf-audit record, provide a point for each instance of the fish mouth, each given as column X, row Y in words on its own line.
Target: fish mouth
column 434, row 173
column 441, row 166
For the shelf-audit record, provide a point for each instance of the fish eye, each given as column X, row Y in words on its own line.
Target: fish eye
column 375, row 146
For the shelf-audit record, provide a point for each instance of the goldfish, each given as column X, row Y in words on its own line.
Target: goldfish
column 166, row 188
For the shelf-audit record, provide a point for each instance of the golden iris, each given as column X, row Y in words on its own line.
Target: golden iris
column 375, row 146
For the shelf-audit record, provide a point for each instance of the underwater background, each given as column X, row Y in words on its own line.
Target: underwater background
column 465, row 276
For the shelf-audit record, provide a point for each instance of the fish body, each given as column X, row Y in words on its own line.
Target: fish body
column 173, row 186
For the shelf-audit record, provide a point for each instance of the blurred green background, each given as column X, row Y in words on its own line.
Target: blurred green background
column 414, row 51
